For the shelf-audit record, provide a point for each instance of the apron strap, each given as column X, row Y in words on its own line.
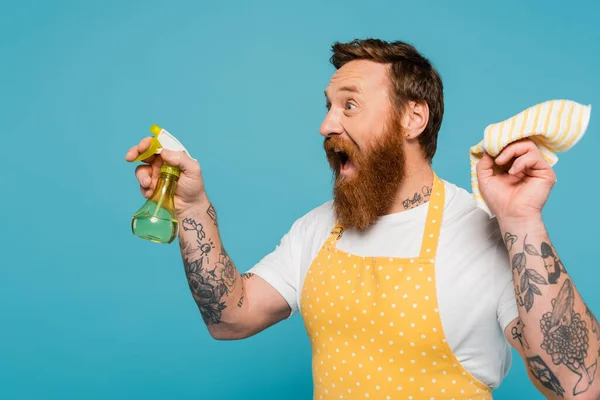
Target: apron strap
column 433, row 223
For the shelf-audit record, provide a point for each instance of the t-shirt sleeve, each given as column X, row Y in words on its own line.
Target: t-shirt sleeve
column 507, row 304
column 281, row 267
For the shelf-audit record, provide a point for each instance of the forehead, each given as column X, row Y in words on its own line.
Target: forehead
column 368, row 77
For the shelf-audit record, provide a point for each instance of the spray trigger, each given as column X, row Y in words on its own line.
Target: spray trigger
column 161, row 140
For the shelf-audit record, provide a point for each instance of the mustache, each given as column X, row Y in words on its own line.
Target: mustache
column 334, row 144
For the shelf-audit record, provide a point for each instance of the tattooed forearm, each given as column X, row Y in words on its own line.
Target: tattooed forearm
column 211, row 278
column 209, row 285
column 527, row 288
column 566, row 337
column 558, row 323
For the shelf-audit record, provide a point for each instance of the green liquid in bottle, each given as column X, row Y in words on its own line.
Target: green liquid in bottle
column 156, row 221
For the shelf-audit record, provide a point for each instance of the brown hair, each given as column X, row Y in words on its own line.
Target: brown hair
column 412, row 75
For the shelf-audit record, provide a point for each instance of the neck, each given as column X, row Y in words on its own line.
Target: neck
column 415, row 189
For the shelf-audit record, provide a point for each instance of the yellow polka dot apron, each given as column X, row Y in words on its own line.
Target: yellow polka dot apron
column 374, row 323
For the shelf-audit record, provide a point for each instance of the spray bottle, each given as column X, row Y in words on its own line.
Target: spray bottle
column 155, row 220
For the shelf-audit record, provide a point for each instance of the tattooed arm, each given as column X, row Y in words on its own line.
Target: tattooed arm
column 233, row 306
column 556, row 334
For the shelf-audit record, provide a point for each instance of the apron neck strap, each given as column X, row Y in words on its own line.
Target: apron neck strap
column 433, row 223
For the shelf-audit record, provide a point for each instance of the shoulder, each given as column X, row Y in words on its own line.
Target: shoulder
column 474, row 241
column 320, row 218
column 461, row 212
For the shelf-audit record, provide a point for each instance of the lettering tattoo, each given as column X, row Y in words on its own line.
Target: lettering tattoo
column 412, row 202
column 540, row 370
column 527, row 288
column 418, row 198
column 426, row 190
column 566, row 337
column 209, row 283
column 517, row 333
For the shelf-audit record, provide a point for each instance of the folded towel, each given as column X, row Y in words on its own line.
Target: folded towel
column 554, row 126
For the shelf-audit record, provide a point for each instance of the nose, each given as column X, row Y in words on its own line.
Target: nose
column 331, row 124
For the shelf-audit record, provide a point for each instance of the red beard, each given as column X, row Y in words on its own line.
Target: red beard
column 370, row 192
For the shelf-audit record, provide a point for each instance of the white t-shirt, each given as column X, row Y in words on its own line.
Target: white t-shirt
column 473, row 274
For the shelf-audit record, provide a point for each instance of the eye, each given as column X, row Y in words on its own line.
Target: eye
column 350, row 106
column 328, row 106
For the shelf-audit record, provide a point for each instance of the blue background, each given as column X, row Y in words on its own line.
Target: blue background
column 87, row 310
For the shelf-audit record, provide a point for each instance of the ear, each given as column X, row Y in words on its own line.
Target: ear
column 415, row 118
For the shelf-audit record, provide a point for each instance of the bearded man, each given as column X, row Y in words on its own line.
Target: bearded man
column 405, row 286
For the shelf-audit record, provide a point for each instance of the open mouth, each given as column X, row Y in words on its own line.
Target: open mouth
column 344, row 161
column 340, row 156
column 343, row 157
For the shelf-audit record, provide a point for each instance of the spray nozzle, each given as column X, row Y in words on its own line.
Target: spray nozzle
column 161, row 140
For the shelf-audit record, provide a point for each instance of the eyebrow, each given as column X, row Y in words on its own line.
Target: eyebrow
column 347, row 88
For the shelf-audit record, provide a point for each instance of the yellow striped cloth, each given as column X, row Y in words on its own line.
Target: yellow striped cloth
column 554, row 126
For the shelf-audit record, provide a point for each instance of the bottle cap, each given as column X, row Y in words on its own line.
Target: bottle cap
column 169, row 169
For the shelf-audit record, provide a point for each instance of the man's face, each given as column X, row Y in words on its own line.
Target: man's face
column 363, row 143
column 359, row 106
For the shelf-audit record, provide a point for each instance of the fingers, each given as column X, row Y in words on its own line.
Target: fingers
column 522, row 156
column 182, row 160
column 524, row 163
column 135, row 151
column 514, row 150
column 131, row 154
column 485, row 166
column 143, row 173
column 486, row 162
column 148, row 174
